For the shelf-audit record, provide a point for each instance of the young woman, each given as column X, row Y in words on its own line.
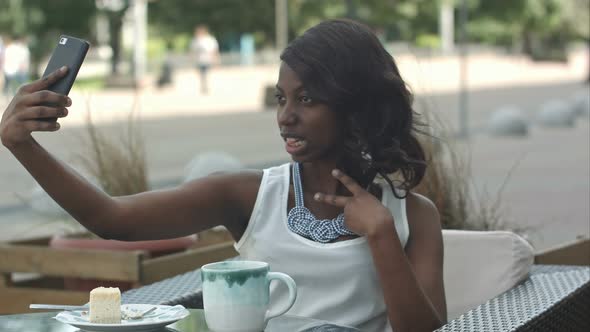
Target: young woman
column 341, row 219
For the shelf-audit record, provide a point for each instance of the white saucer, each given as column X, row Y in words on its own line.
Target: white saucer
column 162, row 316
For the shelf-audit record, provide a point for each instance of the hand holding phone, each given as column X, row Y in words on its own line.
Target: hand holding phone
column 70, row 52
column 21, row 117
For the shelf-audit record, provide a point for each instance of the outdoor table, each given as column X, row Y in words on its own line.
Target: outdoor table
column 195, row 322
column 553, row 298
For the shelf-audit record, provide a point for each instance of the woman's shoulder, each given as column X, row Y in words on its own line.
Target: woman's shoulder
column 420, row 203
column 242, row 182
column 422, row 213
column 232, row 187
column 240, row 188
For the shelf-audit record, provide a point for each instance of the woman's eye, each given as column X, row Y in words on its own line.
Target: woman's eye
column 280, row 99
column 305, row 99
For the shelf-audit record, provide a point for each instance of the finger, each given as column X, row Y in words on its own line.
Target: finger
column 33, row 125
column 335, row 200
column 37, row 112
column 45, row 82
column 348, row 182
column 46, row 97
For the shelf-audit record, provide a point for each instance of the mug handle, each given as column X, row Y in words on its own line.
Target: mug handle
column 292, row 294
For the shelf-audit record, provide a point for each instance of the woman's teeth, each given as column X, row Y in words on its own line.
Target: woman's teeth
column 294, row 142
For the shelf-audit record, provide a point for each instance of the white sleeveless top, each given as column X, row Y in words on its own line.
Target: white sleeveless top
column 336, row 282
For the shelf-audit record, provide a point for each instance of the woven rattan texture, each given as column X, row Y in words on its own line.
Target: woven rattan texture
column 527, row 306
column 570, row 314
column 536, row 269
column 182, row 289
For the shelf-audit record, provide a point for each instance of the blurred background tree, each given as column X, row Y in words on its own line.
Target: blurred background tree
column 530, row 26
column 114, row 11
column 227, row 19
column 43, row 21
column 540, row 28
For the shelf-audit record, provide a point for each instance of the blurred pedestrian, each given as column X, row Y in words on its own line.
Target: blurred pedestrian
column 206, row 51
column 165, row 75
column 16, row 64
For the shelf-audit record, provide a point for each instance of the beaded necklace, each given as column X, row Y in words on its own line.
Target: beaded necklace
column 301, row 221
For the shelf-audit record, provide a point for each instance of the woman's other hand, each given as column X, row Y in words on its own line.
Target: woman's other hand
column 27, row 109
column 363, row 213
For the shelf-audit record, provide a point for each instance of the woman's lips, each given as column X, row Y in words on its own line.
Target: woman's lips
column 294, row 145
column 294, row 141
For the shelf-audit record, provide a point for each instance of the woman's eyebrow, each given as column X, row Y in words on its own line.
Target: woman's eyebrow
column 297, row 89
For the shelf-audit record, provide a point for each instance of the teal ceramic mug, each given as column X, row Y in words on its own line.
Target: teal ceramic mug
column 236, row 295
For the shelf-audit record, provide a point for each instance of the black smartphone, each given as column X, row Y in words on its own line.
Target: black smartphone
column 69, row 51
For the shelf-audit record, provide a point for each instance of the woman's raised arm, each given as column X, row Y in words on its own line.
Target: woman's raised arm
column 225, row 199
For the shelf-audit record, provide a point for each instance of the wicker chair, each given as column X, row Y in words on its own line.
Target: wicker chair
column 553, row 298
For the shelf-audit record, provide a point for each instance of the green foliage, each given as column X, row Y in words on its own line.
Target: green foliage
column 226, row 19
column 401, row 19
column 180, row 43
column 91, row 83
column 492, row 31
column 156, row 48
column 538, row 25
column 428, row 41
column 577, row 12
column 43, row 21
column 542, row 27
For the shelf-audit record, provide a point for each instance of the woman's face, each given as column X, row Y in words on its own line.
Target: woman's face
column 311, row 130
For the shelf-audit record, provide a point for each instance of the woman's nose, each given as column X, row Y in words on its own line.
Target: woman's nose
column 286, row 115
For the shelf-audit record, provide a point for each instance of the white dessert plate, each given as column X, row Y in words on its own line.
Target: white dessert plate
column 157, row 319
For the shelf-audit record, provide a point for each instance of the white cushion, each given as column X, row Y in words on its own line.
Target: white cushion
column 479, row 266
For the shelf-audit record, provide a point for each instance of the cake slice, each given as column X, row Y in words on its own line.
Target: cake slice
column 105, row 305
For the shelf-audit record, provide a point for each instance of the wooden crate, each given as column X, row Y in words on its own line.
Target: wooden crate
column 50, row 266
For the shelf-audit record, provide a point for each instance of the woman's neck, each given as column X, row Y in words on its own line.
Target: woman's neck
column 317, row 177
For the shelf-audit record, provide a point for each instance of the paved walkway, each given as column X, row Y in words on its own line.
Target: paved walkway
column 550, row 184
column 240, row 89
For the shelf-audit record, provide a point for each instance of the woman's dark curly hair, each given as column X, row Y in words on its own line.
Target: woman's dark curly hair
column 344, row 65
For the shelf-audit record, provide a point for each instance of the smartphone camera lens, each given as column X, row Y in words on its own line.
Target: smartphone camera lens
column 63, row 40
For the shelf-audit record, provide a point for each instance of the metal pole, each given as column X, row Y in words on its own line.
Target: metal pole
column 463, row 94
column 446, row 26
column 281, row 24
column 140, row 40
